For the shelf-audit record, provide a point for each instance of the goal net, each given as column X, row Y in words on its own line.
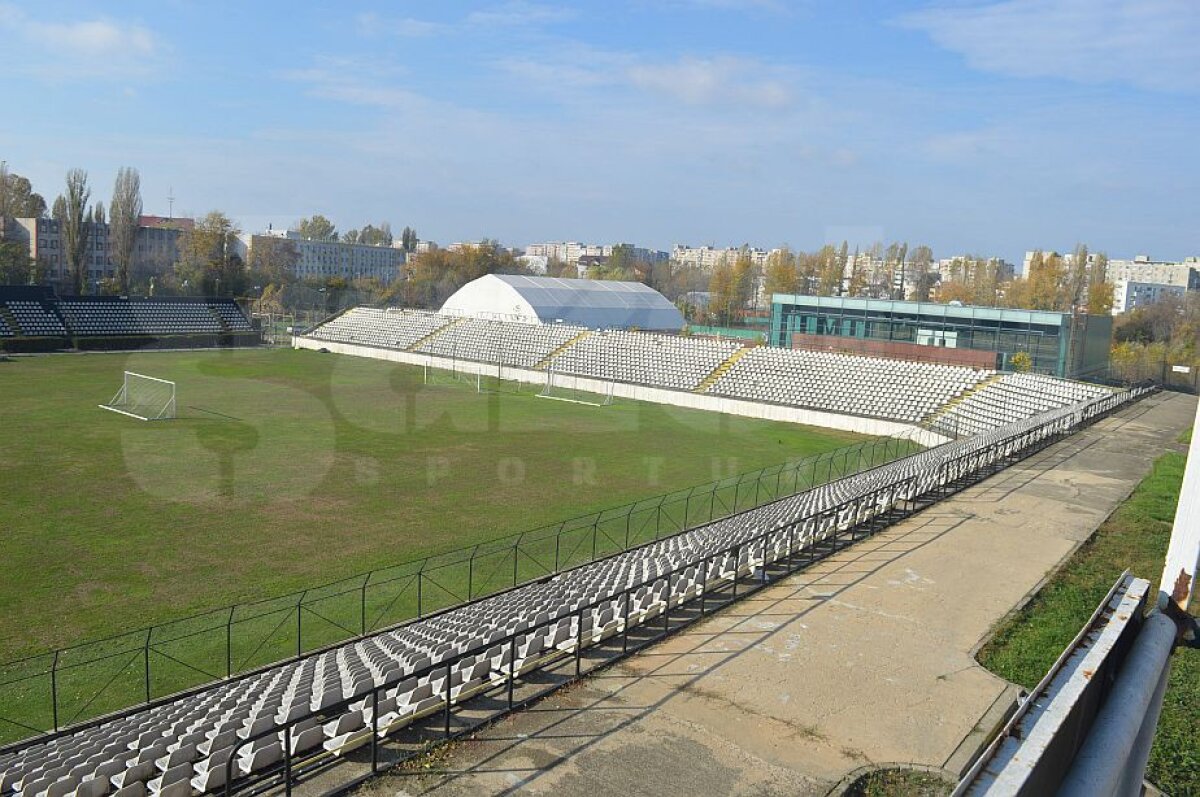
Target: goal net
column 146, row 397
column 566, row 387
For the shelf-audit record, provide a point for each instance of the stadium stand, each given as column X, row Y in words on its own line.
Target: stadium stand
column 329, row 703
column 5, row 331
column 905, row 391
column 949, row 399
column 392, row 329
column 35, row 318
column 644, row 358
column 36, row 315
column 510, row 343
column 1007, row 398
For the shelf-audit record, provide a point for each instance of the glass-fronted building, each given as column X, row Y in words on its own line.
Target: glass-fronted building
column 1061, row 344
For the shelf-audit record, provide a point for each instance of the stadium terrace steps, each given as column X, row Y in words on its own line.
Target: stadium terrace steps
column 942, row 410
column 434, row 333
column 720, row 370
column 543, row 364
column 1010, row 397
column 8, row 324
column 337, row 699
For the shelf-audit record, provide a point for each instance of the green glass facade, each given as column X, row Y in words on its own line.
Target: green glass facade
column 1059, row 343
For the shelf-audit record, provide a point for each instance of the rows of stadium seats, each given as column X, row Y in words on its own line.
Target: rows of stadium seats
column 181, row 748
column 905, row 391
column 393, row 329
column 137, row 317
column 678, row 363
column 88, row 317
column 510, row 343
column 231, row 315
column 4, row 330
column 1008, row 398
column 35, row 318
column 840, row 383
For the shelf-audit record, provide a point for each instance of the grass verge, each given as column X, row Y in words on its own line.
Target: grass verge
column 1135, row 537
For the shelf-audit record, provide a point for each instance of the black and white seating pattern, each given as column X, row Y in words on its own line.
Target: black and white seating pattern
column 1009, row 398
column 35, row 319
column 138, row 317
column 183, row 747
column 5, row 332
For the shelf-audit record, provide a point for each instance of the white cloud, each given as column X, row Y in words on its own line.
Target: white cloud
column 520, row 13
column 372, row 24
column 717, row 81
column 1149, row 44
column 99, row 48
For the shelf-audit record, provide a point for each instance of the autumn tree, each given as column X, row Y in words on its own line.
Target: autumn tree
column 208, row 263
column 722, row 292
column 1074, row 288
column 125, row 215
column 780, row 274
column 920, row 262
column 273, row 261
column 1099, row 289
column 17, row 197
column 76, row 229
column 408, row 239
column 316, row 228
column 16, row 266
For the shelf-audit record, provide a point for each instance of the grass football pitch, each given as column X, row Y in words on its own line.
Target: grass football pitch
column 286, row 469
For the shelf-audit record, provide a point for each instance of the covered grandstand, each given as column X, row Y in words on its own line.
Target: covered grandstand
column 595, row 304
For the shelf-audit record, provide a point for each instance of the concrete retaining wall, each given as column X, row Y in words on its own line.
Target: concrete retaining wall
column 676, row 398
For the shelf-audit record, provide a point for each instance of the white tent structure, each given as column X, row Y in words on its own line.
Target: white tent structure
column 598, row 304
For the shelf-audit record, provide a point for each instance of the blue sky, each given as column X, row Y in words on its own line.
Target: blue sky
column 972, row 125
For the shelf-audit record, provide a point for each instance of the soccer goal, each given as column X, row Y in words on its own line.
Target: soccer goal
column 565, row 387
column 146, row 397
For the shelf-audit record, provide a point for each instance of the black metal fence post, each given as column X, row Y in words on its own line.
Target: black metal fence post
column 300, row 624
column 146, row 658
column 229, row 642
column 362, row 607
column 54, row 689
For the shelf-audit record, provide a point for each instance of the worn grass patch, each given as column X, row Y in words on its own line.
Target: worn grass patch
column 1134, row 538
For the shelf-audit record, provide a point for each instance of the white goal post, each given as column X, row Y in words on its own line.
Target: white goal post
column 565, row 387
column 147, row 398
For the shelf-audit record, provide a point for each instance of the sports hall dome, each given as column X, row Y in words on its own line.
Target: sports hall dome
column 598, row 304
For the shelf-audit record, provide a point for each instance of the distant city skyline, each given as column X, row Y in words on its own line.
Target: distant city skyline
column 989, row 127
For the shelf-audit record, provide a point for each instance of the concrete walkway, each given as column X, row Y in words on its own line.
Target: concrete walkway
column 865, row 658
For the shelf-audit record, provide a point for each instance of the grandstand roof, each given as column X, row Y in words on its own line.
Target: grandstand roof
column 599, row 304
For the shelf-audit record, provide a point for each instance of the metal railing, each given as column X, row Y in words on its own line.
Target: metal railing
column 75, row 685
column 786, row 547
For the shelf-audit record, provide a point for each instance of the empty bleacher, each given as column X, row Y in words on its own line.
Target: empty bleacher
column 36, row 315
column 393, row 329
column 644, row 358
column 847, row 384
column 36, row 318
column 944, row 397
column 1008, row 398
column 509, row 343
column 182, row 747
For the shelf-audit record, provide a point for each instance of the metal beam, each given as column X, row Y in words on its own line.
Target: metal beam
column 1179, row 571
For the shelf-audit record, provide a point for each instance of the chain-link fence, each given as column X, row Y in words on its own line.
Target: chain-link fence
column 77, row 683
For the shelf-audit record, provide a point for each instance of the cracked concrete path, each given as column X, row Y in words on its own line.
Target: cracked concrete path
column 866, row 657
